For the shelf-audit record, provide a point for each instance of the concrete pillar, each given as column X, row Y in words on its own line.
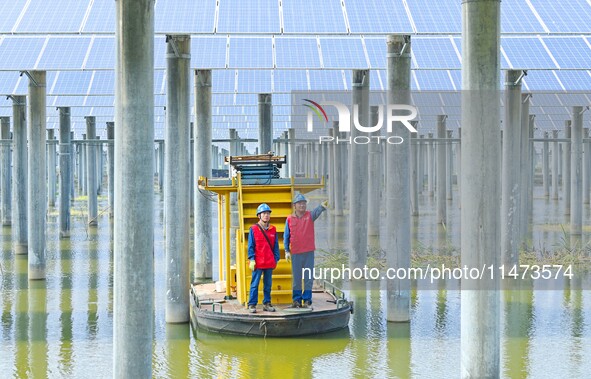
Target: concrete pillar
column 430, row 168
column 566, row 168
column 192, row 180
column 586, row 167
column 72, row 166
column 51, row 174
column 481, row 187
column 441, row 159
column 98, row 152
column 373, row 183
column 91, row 170
column 448, row 165
column 176, row 185
column 576, row 172
column 546, row 167
column 397, row 194
column 19, row 174
column 459, row 164
column 133, row 324
column 414, row 179
column 555, row 155
column 511, row 192
column 291, row 148
column 5, row 178
column 65, row 172
column 161, row 169
column 202, row 153
column 530, row 183
column 358, row 176
column 421, row 163
column 265, row 123
column 338, row 174
column 37, row 189
column 331, row 169
column 83, row 166
column 111, row 161
column 525, row 172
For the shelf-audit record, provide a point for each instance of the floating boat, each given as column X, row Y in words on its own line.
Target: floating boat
column 221, row 307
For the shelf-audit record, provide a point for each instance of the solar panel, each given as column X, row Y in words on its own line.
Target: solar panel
column 517, row 17
column 103, row 83
column 433, row 80
column 64, row 53
column 208, row 52
column 575, row 80
column 254, row 16
column 290, row 80
column 102, row 54
column 570, row 52
column 71, row 83
column 7, row 82
column 326, row 80
column 101, row 18
column 442, row 16
column 527, row 53
column 20, row 53
column 542, row 81
column 101, row 101
column 251, row 53
column 376, row 51
column 296, row 53
column 159, row 52
column 62, row 16
column 310, row 16
column 10, row 10
column 223, row 81
column 184, row 16
column 435, row 53
column 254, row 81
column 564, row 16
column 343, row 53
column 369, row 17
column 65, row 101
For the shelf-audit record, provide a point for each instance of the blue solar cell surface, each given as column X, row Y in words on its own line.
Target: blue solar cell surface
column 433, row 80
column 575, row 80
column 435, row 53
column 542, row 81
column 517, row 17
column 208, row 52
column 343, row 53
column 63, row 16
column 377, row 16
column 101, row 18
column 290, row 80
column 527, row 53
column 564, row 16
column 441, row 16
column 254, row 81
column 311, row 16
column 253, row 16
column 376, row 51
column 328, row 80
column 102, row 54
column 103, row 83
column 297, row 53
column 184, row 16
column 224, row 81
column 20, row 53
column 64, row 53
column 71, row 83
column 570, row 52
column 10, row 10
column 251, row 52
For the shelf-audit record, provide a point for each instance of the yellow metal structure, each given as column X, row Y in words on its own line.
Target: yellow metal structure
column 278, row 194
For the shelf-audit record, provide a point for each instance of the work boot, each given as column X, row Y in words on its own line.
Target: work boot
column 307, row 304
column 296, row 304
column 252, row 308
column 267, row 307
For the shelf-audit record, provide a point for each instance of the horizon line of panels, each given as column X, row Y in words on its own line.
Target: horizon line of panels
column 292, row 16
column 280, row 52
column 75, row 88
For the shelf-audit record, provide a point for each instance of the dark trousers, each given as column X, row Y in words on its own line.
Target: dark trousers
column 254, row 286
column 298, row 263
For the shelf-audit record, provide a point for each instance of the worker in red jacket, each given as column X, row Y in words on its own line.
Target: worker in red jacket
column 263, row 253
column 298, row 239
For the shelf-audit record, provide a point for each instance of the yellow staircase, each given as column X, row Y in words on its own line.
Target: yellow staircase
column 279, row 198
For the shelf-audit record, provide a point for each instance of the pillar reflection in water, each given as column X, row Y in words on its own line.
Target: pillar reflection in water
column 518, row 314
column 37, row 307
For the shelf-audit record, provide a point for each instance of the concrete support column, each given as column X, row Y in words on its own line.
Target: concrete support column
column 83, row 165
column 265, row 123
column 176, row 184
column 525, row 172
column 373, row 183
column 546, row 167
column 441, row 159
column 19, row 174
column 566, row 168
column 72, row 166
column 161, row 163
column 202, row 153
column 586, row 167
column 576, row 172
column 331, row 170
column 448, row 165
column 37, row 190
column 51, row 174
column 91, row 170
column 397, row 194
column 414, row 175
column 481, row 187
column 338, row 174
column 459, row 164
column 358, row 176
column 111, row 161
column 510, row 192
column 422, row 151
column 5, row 178
column 555, row 155
column 133, row 324
column 430, row 168
column 65, row 172
column 530, row 183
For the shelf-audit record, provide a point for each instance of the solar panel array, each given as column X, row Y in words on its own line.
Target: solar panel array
column 282, row 46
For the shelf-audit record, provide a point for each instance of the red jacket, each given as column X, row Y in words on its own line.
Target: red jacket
column 264, row 256
column 301, row 233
